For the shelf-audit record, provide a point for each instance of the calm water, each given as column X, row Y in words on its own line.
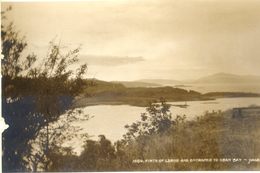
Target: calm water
column 227, row 87
column 110, row 120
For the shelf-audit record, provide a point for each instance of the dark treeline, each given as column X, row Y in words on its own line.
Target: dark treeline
column 37, row 91
column 101, row 92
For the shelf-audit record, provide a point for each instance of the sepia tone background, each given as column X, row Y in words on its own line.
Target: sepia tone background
column 130, row 85
column 131, row 40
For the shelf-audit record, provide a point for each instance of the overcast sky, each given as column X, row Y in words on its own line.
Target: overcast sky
column 129, row 40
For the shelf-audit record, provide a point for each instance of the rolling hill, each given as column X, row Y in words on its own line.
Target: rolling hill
column 132, row 84
column 218, row 78
column 228, row 78
column 219, row 82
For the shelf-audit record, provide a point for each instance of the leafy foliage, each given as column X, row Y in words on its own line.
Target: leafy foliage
column 213, row 135
column 157, row 120
column 50, row 140
column 33, row 95
column 97, row 155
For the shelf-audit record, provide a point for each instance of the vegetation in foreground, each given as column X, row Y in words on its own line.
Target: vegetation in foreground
column 35, row 96
column 157, row 136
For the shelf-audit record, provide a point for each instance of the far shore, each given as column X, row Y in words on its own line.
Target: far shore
column 84, row 102
column 108, row 93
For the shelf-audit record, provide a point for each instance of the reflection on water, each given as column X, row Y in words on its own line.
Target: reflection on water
column 110, row 120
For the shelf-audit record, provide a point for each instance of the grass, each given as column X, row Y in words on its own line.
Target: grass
column 216, row 136
column 211, row 136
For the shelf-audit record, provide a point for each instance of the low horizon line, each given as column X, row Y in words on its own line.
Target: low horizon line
column 171, row 79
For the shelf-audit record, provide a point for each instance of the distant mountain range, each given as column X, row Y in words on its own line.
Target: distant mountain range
column 228, row 78
column 132, row 84
column 218, row 78
column 160, row 81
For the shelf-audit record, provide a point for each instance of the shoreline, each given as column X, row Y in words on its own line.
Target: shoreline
column 86, row 102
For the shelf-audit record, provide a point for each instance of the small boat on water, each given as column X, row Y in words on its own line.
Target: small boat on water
column 181, row 105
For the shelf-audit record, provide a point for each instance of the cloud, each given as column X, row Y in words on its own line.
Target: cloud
column 179, row 39
column 102, row 60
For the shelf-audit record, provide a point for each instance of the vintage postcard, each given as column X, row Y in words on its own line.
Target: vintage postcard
column 130, row 85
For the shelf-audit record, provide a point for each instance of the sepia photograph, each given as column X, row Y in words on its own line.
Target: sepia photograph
column 130, row 85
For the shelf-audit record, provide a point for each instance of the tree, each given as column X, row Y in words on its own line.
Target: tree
column 48, row 151
column 97, row 155
column 33, row 96
column 157, row 120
